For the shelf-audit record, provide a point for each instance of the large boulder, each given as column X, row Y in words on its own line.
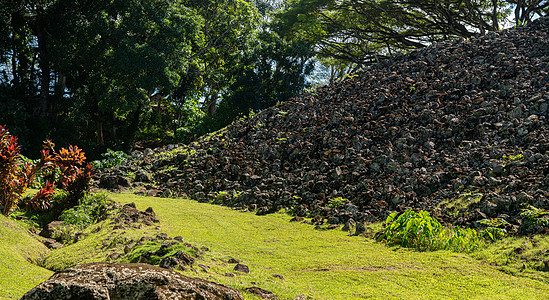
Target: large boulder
column 126, row 281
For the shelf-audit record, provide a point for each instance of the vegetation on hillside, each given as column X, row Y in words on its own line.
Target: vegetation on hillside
column 106, row 74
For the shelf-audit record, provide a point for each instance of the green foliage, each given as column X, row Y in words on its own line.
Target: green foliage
column 92, row 208
column 155, row 252
column 533, row 216
column 511, row 158
column 107, row 73
column 110, row 159
column 362, row 32
column 37, row 218
column 493, row 230
column 336, row 202
column 272, row 71
column 424, row 233
column 189, row 117
column 453, row 206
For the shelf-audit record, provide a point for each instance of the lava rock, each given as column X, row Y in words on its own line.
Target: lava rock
column 126, row 281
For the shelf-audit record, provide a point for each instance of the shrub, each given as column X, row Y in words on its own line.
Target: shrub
column 493, row 230
column 421, row 231
column 16, row 175
column 90, row 209
column 110, row 159
column 64, row 170
column 533, row 219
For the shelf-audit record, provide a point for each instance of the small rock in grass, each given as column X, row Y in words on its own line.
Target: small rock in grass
column 360, row 229
column 52, row 244
column 242, row 268
column 261, row 293
column 233, row 260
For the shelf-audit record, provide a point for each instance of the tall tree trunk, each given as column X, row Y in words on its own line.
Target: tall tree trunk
column 44, row 64
column 129, row 139
column 495, row 22
column 14, row 61
column 212, row 103
column 100, row 139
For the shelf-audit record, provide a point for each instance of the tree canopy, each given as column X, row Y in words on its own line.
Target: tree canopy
column 363, row 31
column 100, row 71
column 105, row 73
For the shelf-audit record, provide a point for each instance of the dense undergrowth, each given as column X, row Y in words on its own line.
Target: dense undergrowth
column 421, row 231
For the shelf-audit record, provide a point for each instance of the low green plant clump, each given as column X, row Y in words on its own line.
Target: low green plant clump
column 336, row 202
column 494, row 230
column 90, row 210
column 533, row 216
column 421, row 231
column 512, row 158
column 454, row 206
column 110, row 159
column 534, row 219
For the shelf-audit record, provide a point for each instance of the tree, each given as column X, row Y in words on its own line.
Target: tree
column 364, row 31
column 98, row 61
column 229, row 29
column 123, row 56
column 268, row 69
column 525, row 10
column 274, row 72
column 97, row 72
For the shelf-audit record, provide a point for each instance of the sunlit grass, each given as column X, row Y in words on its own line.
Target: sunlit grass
column 326, row 264
column 17, row 250
column 318, row 264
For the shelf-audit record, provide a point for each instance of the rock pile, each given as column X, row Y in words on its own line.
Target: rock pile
column 126, row 281
column 458, row 118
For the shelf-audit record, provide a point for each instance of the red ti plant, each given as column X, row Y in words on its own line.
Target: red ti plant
column 16, row 176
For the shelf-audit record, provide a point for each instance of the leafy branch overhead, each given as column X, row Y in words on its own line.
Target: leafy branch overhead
column 364, row 31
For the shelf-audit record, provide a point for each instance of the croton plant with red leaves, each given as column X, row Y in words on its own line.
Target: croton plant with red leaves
column 65, row 169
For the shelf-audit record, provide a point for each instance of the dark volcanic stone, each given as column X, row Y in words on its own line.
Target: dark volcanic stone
column 48, row 230
column 242, row 268
column 261, row 293
column 409, row 132
column 126, row 281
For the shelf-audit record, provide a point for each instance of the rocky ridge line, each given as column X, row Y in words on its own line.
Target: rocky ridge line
column 465, row 117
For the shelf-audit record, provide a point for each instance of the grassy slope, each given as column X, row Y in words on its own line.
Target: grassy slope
column 17, row 248
column 100, row 241
column 326, row 264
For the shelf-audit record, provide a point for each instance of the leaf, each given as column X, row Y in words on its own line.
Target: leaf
column 390, row 218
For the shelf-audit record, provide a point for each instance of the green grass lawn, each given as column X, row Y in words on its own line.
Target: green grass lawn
column 17, row 249
column 326, row 264
column 318, row 264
